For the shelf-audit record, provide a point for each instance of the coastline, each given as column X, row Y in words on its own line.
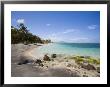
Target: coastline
column 57, row 67
column 27, row 54
column 78, row 49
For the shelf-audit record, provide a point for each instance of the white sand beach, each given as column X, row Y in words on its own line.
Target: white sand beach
column 25, row 64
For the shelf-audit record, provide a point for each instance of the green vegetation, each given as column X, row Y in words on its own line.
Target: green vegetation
column 22, row 35
column 79, row 60
column 46, row 41
column 93, row 61
column 90, row 60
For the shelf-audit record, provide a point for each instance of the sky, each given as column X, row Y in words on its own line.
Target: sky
column 66, row 26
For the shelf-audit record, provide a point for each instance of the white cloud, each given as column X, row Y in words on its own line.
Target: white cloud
column 61, row 33
column 58, row 35
column 48, row 24
column 54, row 37
column 68, row 31
column 92, row 27
column 20, row 21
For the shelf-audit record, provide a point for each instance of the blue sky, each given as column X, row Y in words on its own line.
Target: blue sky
column 68, row 26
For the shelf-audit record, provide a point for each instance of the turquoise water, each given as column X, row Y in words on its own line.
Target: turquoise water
column 85, row 49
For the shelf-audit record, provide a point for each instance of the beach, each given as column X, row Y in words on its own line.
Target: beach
column 26, row 63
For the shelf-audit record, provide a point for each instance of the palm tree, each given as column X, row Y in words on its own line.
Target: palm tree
column 22, row 35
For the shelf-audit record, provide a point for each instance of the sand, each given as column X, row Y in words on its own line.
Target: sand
column 57, row 67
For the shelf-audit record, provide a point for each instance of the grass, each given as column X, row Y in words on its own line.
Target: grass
column 93, row 61
column 90, row 60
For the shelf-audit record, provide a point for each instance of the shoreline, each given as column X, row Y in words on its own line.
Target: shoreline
column 53, row 68
column 56, row 48
column 28, row 53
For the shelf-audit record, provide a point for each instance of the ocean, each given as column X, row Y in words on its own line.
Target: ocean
column 83, row 49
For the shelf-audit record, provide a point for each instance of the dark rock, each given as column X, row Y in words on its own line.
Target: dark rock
column 38, row 61
column 81, row 56
column 41, row 65
column 88, row 66
column 39, row 45
column 24, row 62
column 53, row 55
column 46, row 58
column 19, row 63
column 47, row 66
